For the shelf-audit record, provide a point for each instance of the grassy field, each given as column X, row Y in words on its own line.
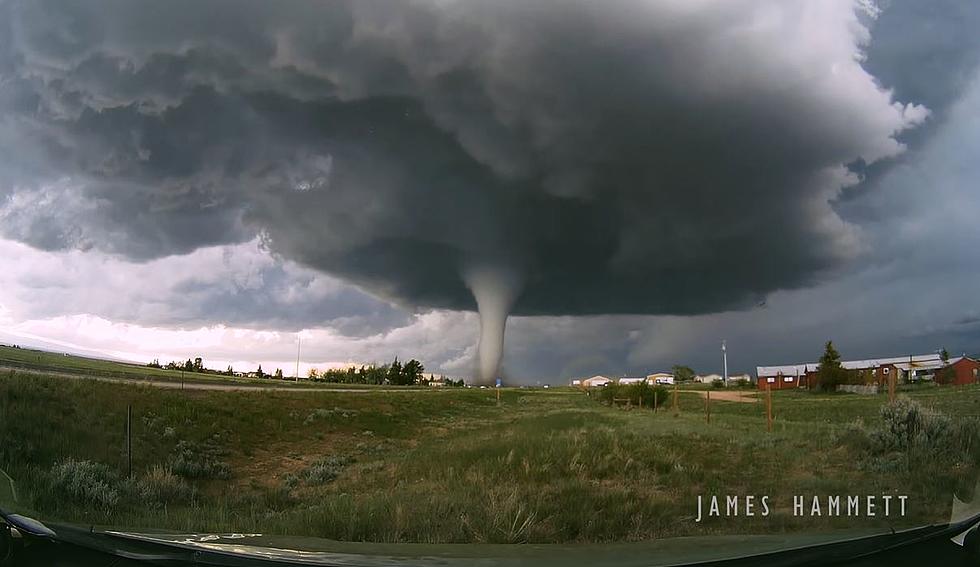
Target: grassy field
column 59, row 363
column 454, row 466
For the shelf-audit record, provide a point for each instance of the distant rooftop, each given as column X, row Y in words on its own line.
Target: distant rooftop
column 918, row 361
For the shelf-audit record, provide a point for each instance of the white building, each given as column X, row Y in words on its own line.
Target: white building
column 708, row 378
column 660, row 378
column 596, row 381
column 627, row 380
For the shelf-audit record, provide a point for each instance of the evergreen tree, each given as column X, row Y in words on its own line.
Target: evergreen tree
column 395, row 372
column 412, row 372
column 831, row 373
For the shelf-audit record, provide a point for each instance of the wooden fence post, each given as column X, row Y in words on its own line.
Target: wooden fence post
column 676, row 408
column 129, row 440
column 707, row 407
column 768, row 408
column 654, row 401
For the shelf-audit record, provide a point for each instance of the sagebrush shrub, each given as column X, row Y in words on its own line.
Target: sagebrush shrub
column 326, row 469
column 84, row 482
column 193, row 460
column 928, row 443
column 161, row 486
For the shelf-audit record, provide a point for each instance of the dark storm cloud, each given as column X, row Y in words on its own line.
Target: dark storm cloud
column 925, row 52
column 613, row 157
column 279, row 300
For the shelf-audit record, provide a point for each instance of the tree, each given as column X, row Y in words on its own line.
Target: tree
column 155, row 363
column 313, row 374
column 830, row 373
column 198, row 364
column 682, row 373
column 189, row 366
column 395, row 372
column 230, row 371
column 278, row 374
column 946, row 374
column 412, row 372
column 259, row 372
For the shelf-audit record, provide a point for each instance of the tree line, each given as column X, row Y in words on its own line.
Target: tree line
column 197, row 365
column 395, row 373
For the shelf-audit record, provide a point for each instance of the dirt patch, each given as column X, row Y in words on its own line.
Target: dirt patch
column 730, row 396
column 268, row 465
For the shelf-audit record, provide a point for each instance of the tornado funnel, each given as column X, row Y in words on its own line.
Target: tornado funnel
column 495, row 289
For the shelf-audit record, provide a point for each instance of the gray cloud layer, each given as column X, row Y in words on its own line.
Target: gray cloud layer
column 620, row 157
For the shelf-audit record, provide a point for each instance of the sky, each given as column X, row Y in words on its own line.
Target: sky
column 624, row 184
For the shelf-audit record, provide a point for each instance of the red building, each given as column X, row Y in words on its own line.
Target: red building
column 782, row 377
column 960, row 371
column 880, row 371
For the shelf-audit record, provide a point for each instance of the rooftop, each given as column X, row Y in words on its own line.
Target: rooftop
column 918, row 361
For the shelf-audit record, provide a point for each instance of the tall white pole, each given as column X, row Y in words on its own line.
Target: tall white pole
column 724, row 353
column 299, row 341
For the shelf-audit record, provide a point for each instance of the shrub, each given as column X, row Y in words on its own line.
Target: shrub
column 161, row 486
column 193, row 460
column 326, row 469
column 901, row 422
column 84, row 482
column 906, row 426
column 636, row 393
column 321, row 413
column 717, row 383
column 289, row 481
column 912, row 439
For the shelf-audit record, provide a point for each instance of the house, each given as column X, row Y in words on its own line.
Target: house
column 737, row 377
column 958, row 371
column 660, row 378
column 707, row 378
column 576, row 382
column 596, row 381
column 627, row 380
column 878, row 370
column 780, row 377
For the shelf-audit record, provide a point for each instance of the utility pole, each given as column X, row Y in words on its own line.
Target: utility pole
column 724, row 353
column 299, row 341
